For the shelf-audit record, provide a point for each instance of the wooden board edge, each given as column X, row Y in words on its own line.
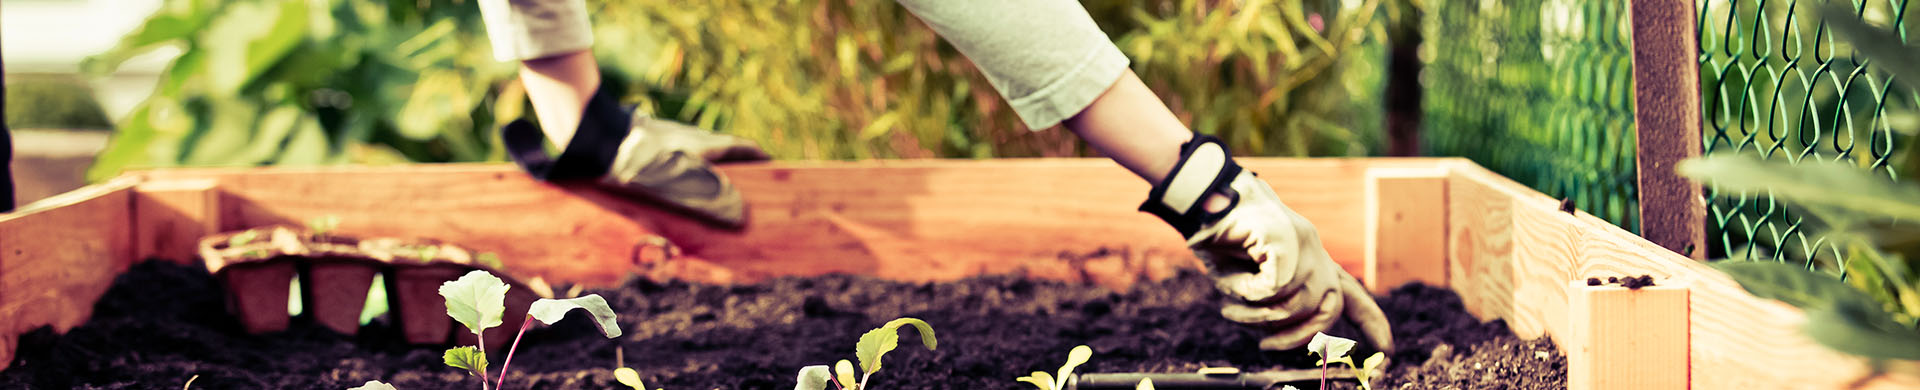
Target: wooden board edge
column 58, row 255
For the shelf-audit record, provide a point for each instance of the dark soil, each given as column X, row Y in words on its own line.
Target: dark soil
column 161, row 324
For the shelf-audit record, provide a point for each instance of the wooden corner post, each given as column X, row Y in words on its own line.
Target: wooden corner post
column 1406, row 233
column 1627, row 338
column 1666, row 114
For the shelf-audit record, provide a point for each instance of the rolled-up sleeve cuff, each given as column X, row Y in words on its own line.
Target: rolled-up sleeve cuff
column 1073, row 91
column 530, row 29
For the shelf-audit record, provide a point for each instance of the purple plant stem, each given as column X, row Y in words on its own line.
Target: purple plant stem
column 1324, row 361
column 483, row 356
column 502, row 382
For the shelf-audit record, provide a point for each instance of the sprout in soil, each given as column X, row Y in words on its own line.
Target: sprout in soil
column 624, row 375
column 1075, row 358
column 374, row 385
column 873, row 345
column 322, row 226
column 478, row 300
column 1338, row 348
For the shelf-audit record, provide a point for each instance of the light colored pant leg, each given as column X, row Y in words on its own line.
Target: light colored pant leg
column 529, row 29
column 1046, row 57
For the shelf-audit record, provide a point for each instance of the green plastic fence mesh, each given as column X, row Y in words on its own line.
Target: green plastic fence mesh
column 1777, row 84
column 1538, row 91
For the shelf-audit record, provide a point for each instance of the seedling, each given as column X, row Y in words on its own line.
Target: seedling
column 322, row 226
column 478, row 299
column 428, row 252
column 1338, row 348
column 1075, row 358
column 374, row 385
column 490, row 260
column 873, row 345
column 242, row 239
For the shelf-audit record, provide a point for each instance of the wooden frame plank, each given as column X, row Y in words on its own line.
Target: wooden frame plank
column 1735, row 340
column 1510, row 252
column 909, row 220
column 1406, row 233
column 58, row 255
column 1666, row 101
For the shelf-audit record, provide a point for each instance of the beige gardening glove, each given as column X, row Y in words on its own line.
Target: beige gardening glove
column 1265, row 259
column 642, row 157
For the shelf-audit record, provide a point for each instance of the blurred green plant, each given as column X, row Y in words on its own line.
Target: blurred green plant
column 1867, row 302
column 379, row 81
column 45, row 101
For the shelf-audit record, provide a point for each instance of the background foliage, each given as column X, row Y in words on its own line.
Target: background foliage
column 381, row 81
column 1539, row 91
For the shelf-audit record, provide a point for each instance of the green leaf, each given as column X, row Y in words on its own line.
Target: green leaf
column 374, row 385
column 1145, row 384
column 1039, row 378
column 926, row 331
column 467, row 358
column 629, row 377
column 1862, row 328
column 877, row 342
column 843, row 370
column 1822, row 185
column 549, row 311
column 1881, row 45
column 1329, row 346
column 477, row 300
column 873, row 345
column 813, row 378
column 1079, row 355
column 1792, row 284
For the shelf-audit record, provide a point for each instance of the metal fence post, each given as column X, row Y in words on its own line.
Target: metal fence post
column 1666, row 112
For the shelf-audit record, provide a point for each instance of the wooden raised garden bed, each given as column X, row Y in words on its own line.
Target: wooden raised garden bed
column 1511, row 253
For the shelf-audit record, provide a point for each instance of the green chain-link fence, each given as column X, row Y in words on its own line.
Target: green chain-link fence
column 1779, row 85
column 1540, row 92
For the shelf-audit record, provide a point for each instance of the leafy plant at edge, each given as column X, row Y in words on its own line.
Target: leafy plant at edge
column 1874, row 311
column 872, row 346
column 478, row 299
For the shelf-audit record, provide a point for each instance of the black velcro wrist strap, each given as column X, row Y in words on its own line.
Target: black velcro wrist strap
column 1195, row 215
column 603, row 125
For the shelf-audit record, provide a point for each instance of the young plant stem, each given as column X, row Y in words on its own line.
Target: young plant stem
column 502, row 382
column 1324, row 361
column 483, row 355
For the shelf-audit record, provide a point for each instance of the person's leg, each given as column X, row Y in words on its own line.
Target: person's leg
column 553, row 41
column 559, row 87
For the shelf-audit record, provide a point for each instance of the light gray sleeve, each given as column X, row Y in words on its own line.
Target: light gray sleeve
column 529, row 29
column 1046, row 57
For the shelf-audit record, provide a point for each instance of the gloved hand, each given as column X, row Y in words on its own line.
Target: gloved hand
column 1266, row 259
column 641, row 157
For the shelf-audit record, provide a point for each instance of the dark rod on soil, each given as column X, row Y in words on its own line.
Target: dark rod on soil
column 1176, row 381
